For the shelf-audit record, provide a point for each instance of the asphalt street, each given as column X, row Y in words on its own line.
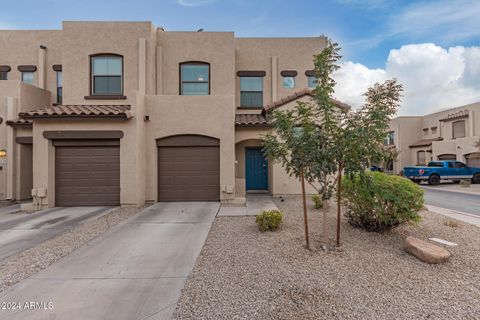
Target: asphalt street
column 462, row 202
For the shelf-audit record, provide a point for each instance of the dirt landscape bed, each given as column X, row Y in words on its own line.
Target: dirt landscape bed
column 244, row 274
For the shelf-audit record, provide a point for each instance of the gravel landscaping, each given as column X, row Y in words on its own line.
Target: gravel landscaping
column 6, row 203
column 244, row 274
column 28, row 262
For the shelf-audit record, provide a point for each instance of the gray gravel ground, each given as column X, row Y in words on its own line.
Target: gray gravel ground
column 244, row 274
column 28, row 262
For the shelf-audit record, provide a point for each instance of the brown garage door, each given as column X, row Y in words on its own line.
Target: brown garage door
column 87, row 176
column 188, row 169
column 473, row 160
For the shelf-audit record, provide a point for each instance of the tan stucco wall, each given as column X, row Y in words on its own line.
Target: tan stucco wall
column 21, row 47
column 216, row 48
column 82, row 39
column 409, row 130
column 289, row 53
column 25, row 97
column 211, row 116
column 131, row 183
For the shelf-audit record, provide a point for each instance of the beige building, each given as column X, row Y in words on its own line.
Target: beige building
column 452, row 134
column 109, row 113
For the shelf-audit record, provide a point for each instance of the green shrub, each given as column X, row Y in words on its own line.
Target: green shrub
column 317, row 201
column 378, row 202
column 269, row 220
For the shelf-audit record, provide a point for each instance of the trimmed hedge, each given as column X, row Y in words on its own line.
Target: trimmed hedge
column 378, row 202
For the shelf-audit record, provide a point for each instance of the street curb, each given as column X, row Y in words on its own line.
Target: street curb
column 458, row 215
column 450, row 190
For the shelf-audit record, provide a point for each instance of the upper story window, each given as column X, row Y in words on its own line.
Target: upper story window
column 251, row 91
column 425, row 131
column 288, row 78
column 194, row 79
column 390, row 138
column 434, row 130
column 311, row 79
column 28, row 73
column 4, row 70
column 58, row 72
column 106, row 75
column 27, row 77
column 59, row 87
column 458, row 129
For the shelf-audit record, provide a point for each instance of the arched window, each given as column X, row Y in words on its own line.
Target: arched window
column 106, row 75
column 458, row 128
column 194, row 78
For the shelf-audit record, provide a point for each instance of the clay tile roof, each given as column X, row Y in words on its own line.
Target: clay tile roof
column 424, row 142
column 297, row 95
column 246, row 120
column 19, row 122
column 80, row 111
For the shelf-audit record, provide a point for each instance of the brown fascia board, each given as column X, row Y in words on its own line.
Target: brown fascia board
column 288, row 73
column 72, row 116
column 83, row 134
column 27, row 68
column 5, row 68
column 57, row 67
column 253, row 73
column 24, row 140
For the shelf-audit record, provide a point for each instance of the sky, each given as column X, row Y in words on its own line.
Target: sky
column 432, row 47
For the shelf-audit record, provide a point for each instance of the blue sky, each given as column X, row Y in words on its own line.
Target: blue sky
column 380, row 38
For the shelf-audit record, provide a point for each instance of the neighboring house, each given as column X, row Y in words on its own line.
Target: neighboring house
column 123, row 113
column 446, row 135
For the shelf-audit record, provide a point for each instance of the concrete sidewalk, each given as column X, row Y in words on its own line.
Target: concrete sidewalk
column 461, row 216
column 21, row 231
column 134, row 271
column 254, row 205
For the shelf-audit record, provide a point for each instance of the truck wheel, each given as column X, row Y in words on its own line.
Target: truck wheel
column 476, row 178
column 434, row 180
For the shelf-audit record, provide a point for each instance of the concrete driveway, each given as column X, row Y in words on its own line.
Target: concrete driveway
column 134, row 271
column 21, row 231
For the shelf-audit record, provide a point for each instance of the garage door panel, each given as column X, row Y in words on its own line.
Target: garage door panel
column 87, row 176
column 189, row 173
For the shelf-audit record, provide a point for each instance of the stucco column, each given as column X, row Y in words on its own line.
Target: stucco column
column 471, row 124
column 159, row 70
column 142, row 66
column 274, row 78
column 42, row 61
column 11, row 114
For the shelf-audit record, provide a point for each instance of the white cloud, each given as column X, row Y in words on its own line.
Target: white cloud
column 194, row 3
column 433, row 77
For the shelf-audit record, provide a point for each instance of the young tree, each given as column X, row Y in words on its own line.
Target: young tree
column 301, row 140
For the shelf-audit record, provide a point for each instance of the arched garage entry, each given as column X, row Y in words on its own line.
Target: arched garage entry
column 473, row 159
column 188, row 168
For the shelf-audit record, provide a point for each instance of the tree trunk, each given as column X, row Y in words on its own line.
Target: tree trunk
column 325, row 229
column 305, row 219
column 339, row 202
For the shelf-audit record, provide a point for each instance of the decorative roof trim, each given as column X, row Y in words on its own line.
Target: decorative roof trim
column 310, row 73
column 57, row 67
column 252, row 73
column 288, row 73
column 19, row 123
column 5, row 68
column 297, row 95
column 27, row 68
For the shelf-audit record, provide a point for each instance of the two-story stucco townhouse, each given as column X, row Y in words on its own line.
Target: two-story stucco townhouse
column 109, row 113
column 452, row 134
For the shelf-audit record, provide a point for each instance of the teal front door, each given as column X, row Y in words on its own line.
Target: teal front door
column 256, row 169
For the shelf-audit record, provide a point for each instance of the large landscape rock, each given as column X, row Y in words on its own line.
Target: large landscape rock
column 425, row 251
